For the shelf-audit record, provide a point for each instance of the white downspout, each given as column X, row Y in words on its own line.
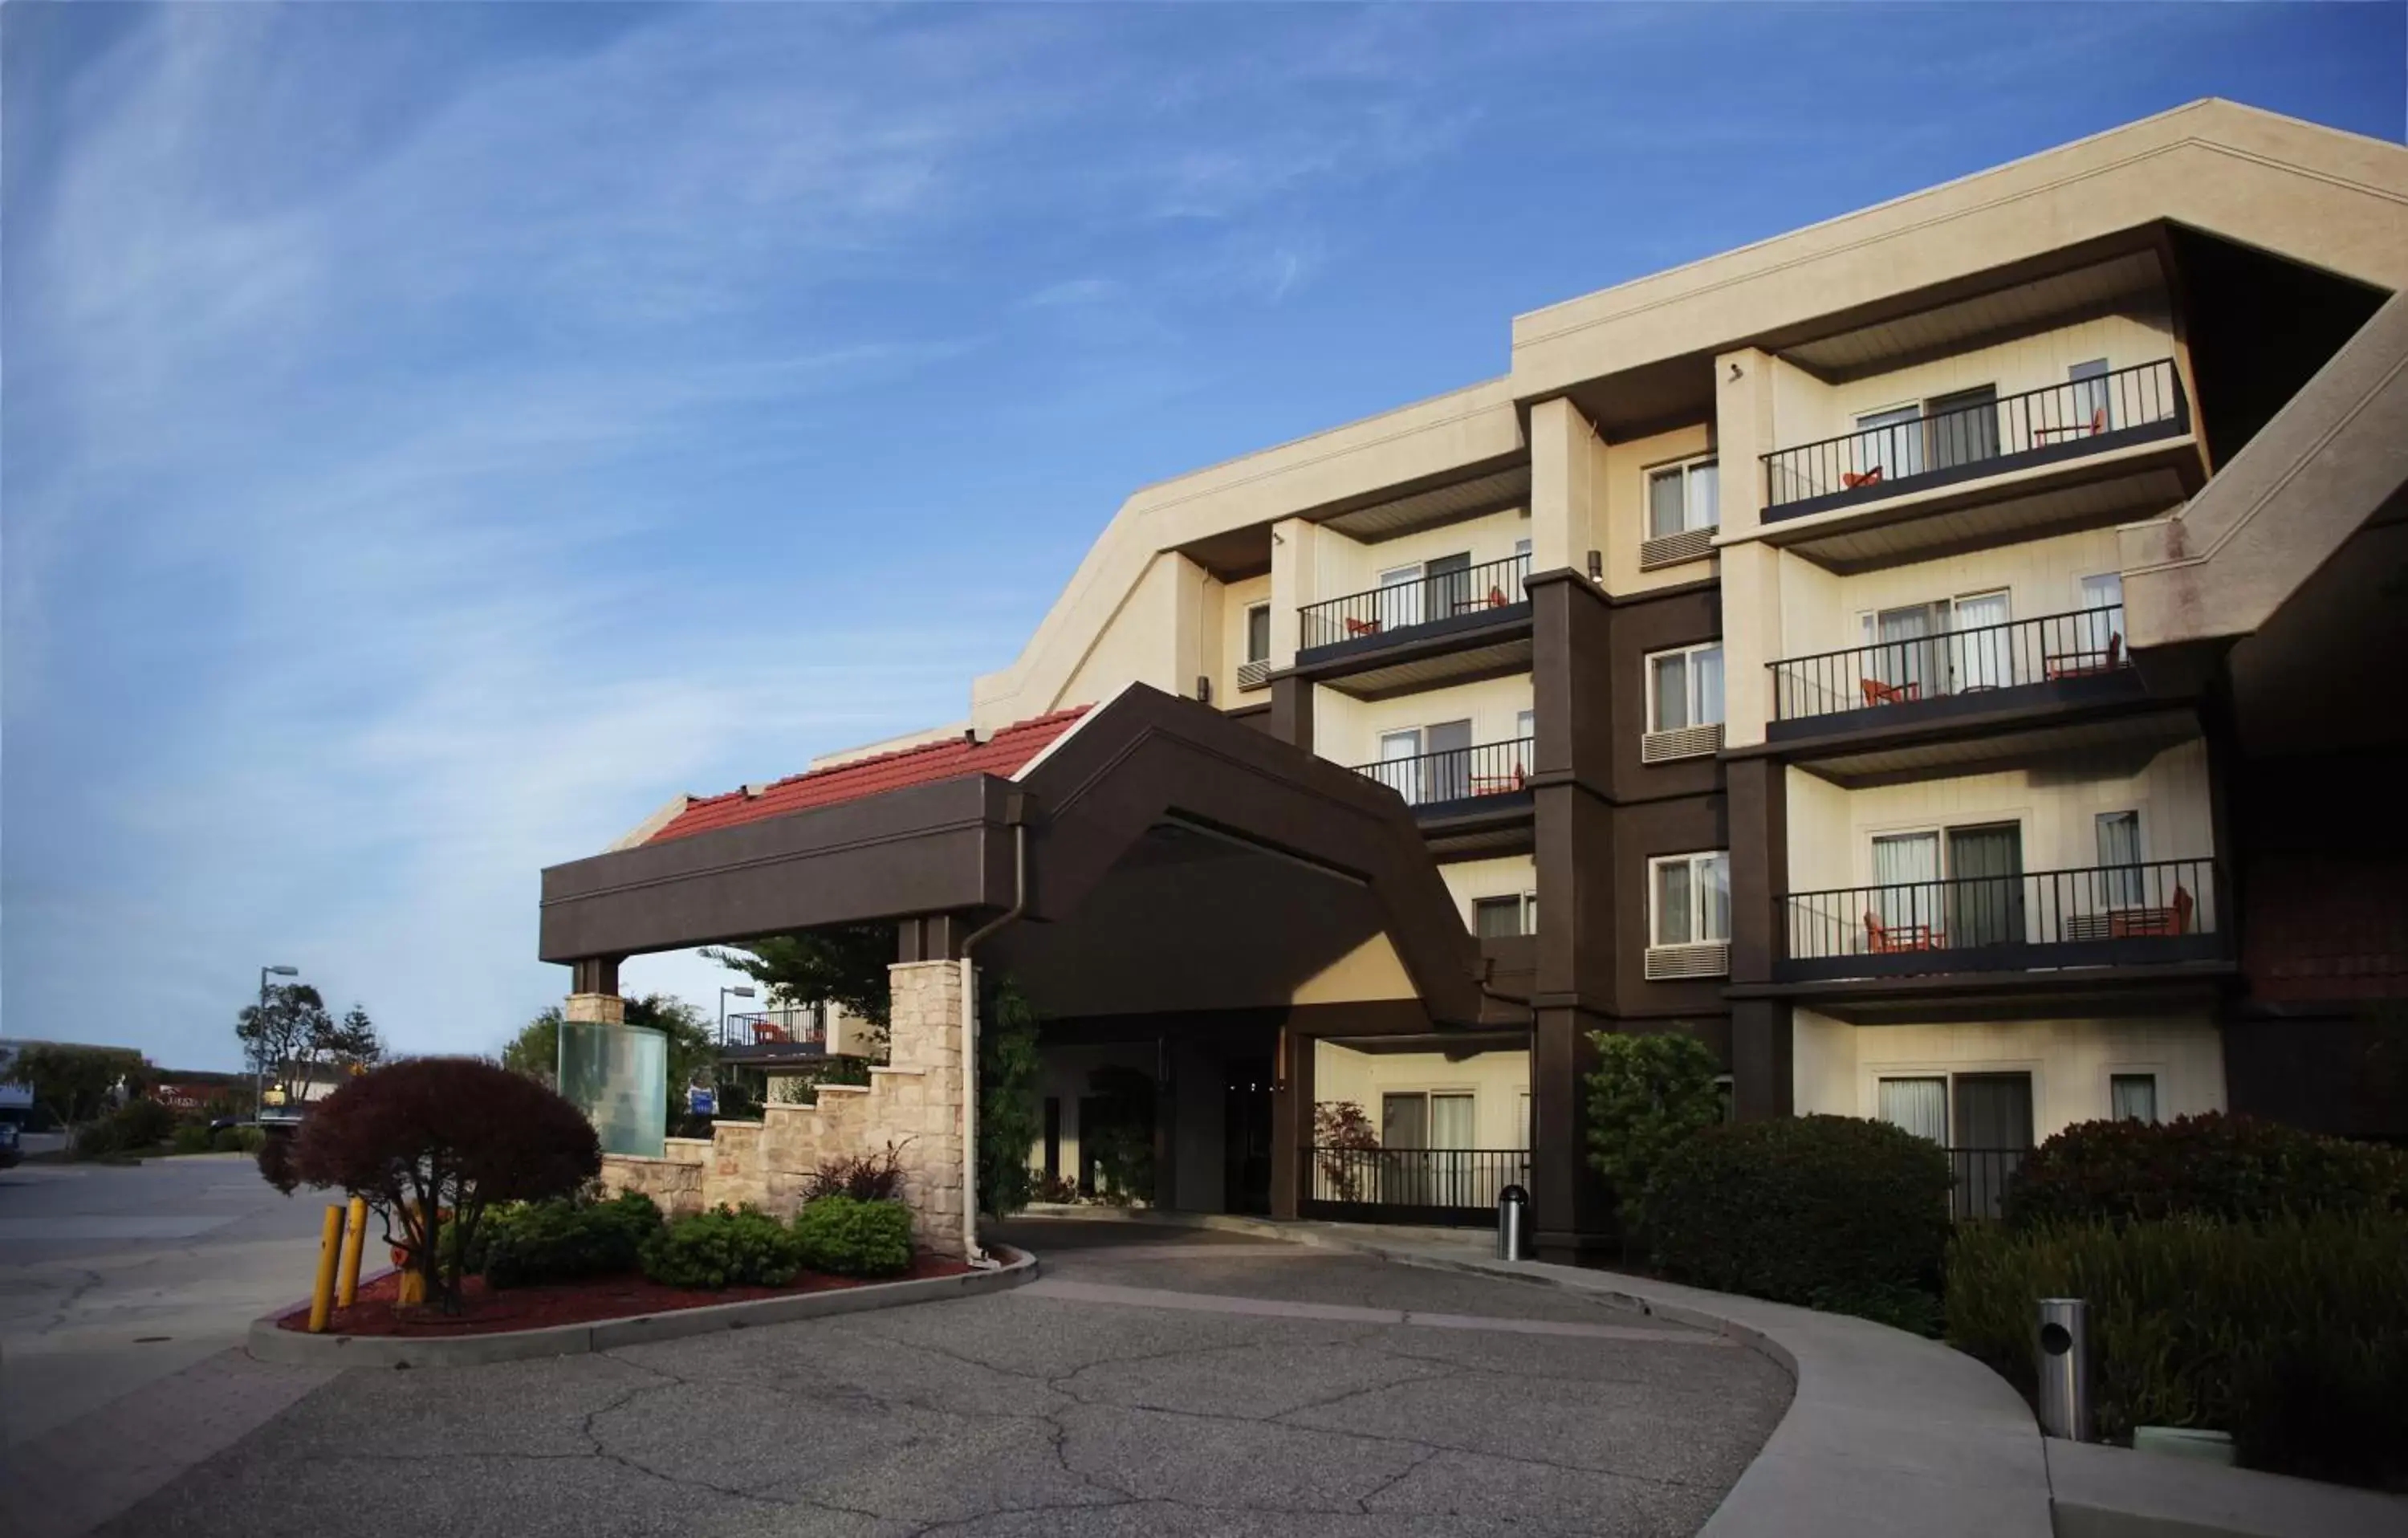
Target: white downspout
column 970, row 1250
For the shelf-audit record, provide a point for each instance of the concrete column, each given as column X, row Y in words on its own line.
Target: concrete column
column 604, row 1008
column 1743, row 433
column 1758, row 809
column 916, row 1099
column 1763, row 1059
column 1292, row 1103
column 1568, row 481
column 1292, row 710
column 1293, row 584
column 1570, row 1217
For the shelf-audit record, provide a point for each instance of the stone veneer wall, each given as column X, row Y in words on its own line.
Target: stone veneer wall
column 912, row 1105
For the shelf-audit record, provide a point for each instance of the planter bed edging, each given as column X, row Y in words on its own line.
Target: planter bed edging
column 269, row 1343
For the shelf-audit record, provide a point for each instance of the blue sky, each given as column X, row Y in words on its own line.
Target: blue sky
column 433, row 435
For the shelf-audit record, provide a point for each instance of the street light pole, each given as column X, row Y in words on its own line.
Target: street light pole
column 259, row 1048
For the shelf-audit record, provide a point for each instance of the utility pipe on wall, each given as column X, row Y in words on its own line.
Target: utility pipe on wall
column 970, row 1251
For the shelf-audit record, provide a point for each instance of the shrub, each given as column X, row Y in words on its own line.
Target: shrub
column 239, row 1140
column 1011, row 1110
column 1647, row 1094
column 561, row 1241
column 192, row 1137
column 725, row 1247
column 848, row 1238
column 2211, row 1166
column 429, row 1137
column 136, row 1125
column 864, row 1177
column 1798, row 1207
column 2288, row 1333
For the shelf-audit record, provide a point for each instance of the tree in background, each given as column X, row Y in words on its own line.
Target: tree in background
column 353, row 1043
column 1647, row 1095
column 74, row 1081
column 1119, row 1135
column 434, row 1142
column 845, row 966
column 292, row 1036
column 1011, row 1116
column 535, row 1051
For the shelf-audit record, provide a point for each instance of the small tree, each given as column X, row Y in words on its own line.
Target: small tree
column 285, row 1034
column 1011, row 1115
column 75, row 1082
column 535, row 1051
column 1340, row 1133
column 1119, row 1138
column 1647, row 1095
column 431, row 1142
column 845, row 966
column 351, row 1043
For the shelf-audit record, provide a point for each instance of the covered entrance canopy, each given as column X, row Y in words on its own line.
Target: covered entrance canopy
column 1166, row 864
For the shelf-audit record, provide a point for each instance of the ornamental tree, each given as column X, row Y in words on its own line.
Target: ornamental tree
column 1647, row 1095
column 432, row 1143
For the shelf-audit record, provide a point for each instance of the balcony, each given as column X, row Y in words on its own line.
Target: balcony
column 767, row 1035
column 1448, row 627
column 1455, row 779
column 1977, row 677
column 2121, row 915
column 2078, row 420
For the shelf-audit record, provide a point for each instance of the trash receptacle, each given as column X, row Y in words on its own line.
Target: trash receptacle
column 2064, row 1356
column 1512, row 1222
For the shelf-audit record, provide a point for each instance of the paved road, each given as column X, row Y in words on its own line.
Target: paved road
column 113, row 1277
column 1152, row 1381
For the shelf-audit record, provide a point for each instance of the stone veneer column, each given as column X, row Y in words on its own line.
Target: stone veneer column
column 917, row 1096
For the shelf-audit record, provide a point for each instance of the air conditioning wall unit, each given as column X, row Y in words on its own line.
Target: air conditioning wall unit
column 1668, row 963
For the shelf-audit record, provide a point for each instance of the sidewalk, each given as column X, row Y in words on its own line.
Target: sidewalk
column 1892, row 1434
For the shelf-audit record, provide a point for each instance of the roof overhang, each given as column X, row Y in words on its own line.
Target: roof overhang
column 1165, row 841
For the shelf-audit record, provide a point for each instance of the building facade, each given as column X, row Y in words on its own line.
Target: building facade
column 1926, row 657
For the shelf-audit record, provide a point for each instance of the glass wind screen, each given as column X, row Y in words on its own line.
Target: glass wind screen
column 618, row 1076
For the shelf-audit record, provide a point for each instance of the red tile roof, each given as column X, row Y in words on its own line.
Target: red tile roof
column 1003, row 754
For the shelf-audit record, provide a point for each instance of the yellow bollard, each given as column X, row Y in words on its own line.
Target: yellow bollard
column 321, row 1298
column 355, row 1236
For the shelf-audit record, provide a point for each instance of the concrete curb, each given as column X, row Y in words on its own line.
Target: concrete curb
column 268, row 1344
column 1887, row 1435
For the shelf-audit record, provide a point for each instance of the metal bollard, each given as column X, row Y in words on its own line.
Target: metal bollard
column 2065, row 1368
column 1512, row 1222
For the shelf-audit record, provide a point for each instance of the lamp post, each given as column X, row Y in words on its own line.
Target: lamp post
column 259, row 1051
column 726, row 994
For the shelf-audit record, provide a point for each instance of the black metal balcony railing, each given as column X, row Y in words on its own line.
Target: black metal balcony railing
column 1416, row 1181
column 799, row 1029
column 1982, row 1175
column 2057, row 422
column 2129, row 910
column 1456, row 774
column 2087, row 643
column 1425, row 600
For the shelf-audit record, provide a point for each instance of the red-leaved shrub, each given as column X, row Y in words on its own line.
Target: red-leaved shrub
column 431, row 1143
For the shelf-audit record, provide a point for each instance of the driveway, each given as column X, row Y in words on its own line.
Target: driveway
column 1153, row 1381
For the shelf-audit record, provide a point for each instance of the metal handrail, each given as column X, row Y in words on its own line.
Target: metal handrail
column 800, row 1026
column 1456, row 774
column 2144, row 901
column 2079, row 644
column 2054, row 419
column 1467, row 1179
column 1403, row 606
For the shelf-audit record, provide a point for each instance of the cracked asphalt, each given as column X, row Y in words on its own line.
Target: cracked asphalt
column 1153, row 1381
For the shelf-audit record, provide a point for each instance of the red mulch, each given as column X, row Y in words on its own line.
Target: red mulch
column 485, row 1311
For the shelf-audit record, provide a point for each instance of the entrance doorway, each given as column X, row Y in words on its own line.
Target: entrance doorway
column 1246, row 1137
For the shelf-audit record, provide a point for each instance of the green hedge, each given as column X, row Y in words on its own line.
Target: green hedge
column 723, row 1248
column 562, row 1241
column 239, row 1140
column 2217, row 1166
column 2291, row 1334
column 1834, row 1212
column 844, row 1237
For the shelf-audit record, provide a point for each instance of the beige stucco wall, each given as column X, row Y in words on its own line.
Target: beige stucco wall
column 1499, row 1081
column 1838, row 1065
column 1236, row 598
column 1346, row 565
column 1347, row 731
column 1831, row 830
column 1820, row 611
column 1508, row 876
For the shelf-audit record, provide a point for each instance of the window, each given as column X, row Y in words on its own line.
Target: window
column 1689, row 899
column 1684, row 688
column 2119, row 859
column 1683, row 497
column 1888, row 445
column 2093, row 402
column 1918, row 1105
column 1963, row 427
column 1258, row 632
column 1495, row 918
column 1415, row 1120
column 2132, row 1096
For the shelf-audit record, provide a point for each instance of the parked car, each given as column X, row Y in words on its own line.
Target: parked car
column 12, row 1146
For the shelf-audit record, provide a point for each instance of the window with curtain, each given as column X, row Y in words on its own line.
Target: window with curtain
column 1690, row 895
column 2102, row 611
column 1906, row 870
column 2132, row 1096
column 1493, row 918
column 1451, row 1124
column 2093, row 405
column 1890, row 442
column 1683, row 497
column 1684, row 687
column 1258, row 632
column 2121, row 879
column 1918, row 1105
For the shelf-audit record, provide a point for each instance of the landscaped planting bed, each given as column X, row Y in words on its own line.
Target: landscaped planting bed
column 485, row 1311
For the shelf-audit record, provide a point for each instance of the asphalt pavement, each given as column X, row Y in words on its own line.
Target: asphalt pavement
column 1152, row 1381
